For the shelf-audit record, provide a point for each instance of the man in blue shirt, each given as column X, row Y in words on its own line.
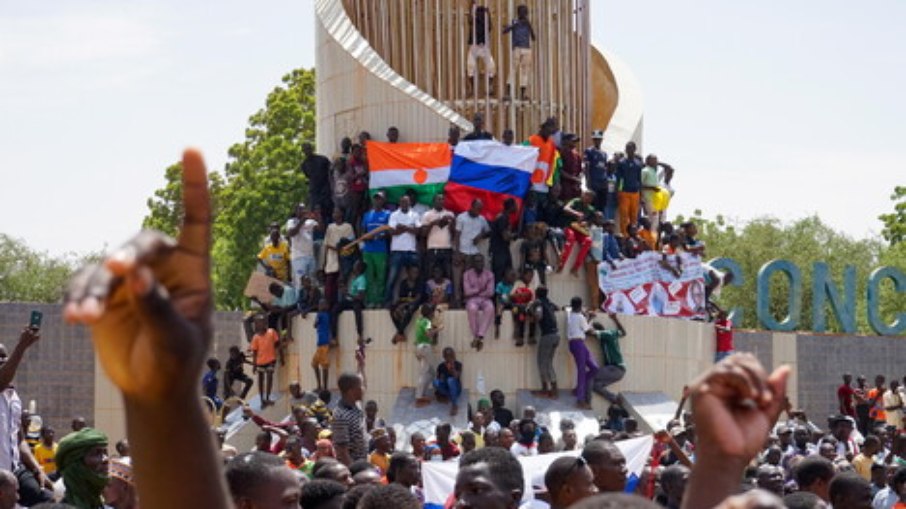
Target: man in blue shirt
column 374, row 251
column 629, row 183
column 596, row 169
column 611, row 245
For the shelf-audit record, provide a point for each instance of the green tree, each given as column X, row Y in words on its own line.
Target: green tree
column 803, row 242
column 260, row 185
column 895, row 223
column 27, row 275
column 165, row 207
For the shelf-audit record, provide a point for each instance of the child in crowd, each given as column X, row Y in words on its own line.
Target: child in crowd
column 724, row 332
column 210, row 384
column 380, row 457
column 533, row 250
column 353, row 298
column 425, row 339
column 439, row 292
column 502, row 298
column 448, row 449
column 448, row 383
column 646, row 234
column 409, row 297
column 586, row 368
column 309, row 296
column 521, row 297
column 264, row 357
column 320, row 362
column 672, row 248
column 235, row 372
column 46, row 452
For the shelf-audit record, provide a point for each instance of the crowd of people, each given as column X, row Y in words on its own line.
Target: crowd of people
column 416, row 262
column 153, row 296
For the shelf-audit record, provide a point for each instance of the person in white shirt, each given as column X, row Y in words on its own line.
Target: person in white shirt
column 300, row 230
column 437, row 224
column 586, row 368
column 405, row 223
column 470, row 229
column 10, row 404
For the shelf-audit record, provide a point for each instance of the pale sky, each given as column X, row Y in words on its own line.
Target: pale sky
column 764, row 108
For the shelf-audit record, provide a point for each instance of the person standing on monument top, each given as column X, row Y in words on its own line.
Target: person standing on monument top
column 316, row 169
column 521, row 56
column 629, row 183
column 595, row 161
column 479, row 28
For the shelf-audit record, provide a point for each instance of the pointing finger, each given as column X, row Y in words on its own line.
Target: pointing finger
column 195, row 235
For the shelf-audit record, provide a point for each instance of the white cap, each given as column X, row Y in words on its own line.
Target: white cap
column 597, row 134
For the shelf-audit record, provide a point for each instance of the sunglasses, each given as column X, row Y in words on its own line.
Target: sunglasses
column 580, row 462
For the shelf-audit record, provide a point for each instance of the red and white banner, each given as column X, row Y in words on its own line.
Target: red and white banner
column 643, row 286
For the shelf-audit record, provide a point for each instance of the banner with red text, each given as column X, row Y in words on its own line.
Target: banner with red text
column 654, row 285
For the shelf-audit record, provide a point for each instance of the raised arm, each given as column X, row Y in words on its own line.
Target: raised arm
column 8, row 370
column 149, row 308
column 735, row 404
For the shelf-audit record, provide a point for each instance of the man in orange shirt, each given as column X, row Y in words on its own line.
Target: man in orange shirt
column 547, row 151
column 264, row 357
column 876, row 399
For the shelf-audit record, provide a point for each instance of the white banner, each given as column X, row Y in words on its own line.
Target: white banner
column 439, row 478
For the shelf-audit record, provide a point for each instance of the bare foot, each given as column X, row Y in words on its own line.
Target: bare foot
column 553, row 394
column 422, row 402
column 544, row 393
column 454, row 410
column 583, row 405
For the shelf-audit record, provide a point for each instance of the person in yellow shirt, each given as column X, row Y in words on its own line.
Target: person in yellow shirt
column 274, row 258
column 46, row 451
column 863, row 461
column 381, row 455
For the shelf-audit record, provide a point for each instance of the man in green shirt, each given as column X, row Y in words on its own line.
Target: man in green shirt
column 612, row 368
column 425, row 339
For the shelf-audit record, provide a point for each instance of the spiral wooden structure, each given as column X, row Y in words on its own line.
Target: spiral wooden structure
column 403, row 63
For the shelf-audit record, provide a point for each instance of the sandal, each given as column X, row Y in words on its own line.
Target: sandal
column 479, row 344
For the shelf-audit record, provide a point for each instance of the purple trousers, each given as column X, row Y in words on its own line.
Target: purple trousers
column 586, row 368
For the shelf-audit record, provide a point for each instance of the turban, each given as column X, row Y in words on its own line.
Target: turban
column 83, row 485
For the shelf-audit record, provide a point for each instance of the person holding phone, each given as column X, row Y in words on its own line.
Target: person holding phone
column 10, row 404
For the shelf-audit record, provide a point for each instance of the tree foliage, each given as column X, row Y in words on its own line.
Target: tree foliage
column 895, row 223
column 27, row 275
column 260, row 185
column 803, row 242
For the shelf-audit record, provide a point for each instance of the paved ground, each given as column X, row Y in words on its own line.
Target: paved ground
column 551, row 411
column 423, row 419
column 651, row 409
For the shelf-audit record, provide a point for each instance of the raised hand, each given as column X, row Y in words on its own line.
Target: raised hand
column 735, row 405
column 149, row 303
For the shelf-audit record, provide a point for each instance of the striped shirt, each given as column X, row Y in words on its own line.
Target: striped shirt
column 348, row 428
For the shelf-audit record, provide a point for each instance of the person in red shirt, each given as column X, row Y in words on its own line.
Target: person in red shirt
column 846, row 396
column 724, row 332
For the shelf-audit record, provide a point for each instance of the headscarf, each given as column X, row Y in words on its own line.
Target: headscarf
column 325, row 443
column 83, row 486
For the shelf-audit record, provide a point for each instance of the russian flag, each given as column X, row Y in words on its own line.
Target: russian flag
column 491, row 171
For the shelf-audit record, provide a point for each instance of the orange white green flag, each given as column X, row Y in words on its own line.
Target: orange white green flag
column 397, row 167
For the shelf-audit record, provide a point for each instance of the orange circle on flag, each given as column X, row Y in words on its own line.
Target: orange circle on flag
column 538, row 176
column 420, row 176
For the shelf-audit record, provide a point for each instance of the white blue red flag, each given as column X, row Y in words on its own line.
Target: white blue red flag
column 490, row 171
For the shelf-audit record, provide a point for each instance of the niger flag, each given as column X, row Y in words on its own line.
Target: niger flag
column 397, row 167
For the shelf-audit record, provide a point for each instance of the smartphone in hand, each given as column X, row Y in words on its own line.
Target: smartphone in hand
column 35, row 322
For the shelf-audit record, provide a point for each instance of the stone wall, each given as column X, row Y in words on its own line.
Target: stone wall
column 759, row 343
column 822, row 360
column 59, row 371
